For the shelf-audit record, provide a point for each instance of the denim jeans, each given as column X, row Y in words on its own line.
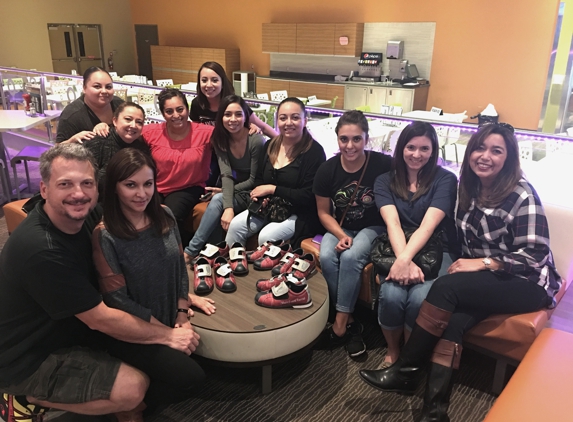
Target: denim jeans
column 342, row 270
column 238, row 231
column 209, row 222
column 398, row 306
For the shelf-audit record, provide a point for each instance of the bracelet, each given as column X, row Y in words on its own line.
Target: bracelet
column 182, row 310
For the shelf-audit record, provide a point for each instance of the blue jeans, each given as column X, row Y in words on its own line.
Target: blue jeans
column 343, row 270
column 398, row 306
column 238, row 231
column 209, row 222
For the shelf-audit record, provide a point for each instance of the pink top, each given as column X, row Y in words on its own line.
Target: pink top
column 180, row 164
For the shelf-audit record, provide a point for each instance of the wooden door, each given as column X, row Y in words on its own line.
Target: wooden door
column 145, row 37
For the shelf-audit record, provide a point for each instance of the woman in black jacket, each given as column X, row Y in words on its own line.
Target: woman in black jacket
column 287, row 171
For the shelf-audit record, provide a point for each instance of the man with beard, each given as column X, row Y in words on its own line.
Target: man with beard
column 52, row 316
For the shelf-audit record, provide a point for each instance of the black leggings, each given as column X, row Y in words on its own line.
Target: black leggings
column 181, row 204
column 473, row 296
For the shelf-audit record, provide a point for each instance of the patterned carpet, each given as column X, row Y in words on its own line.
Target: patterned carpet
column 324, row 385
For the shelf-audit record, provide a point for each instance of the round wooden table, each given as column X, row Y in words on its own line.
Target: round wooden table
column 243, row 333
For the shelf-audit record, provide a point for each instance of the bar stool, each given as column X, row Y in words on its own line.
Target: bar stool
column 29, row 153
column 4, row 182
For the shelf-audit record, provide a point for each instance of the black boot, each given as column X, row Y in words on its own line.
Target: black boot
column 404, row 375
column 445, row 359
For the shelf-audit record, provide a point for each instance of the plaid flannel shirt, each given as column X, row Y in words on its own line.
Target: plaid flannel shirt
column 515, row 233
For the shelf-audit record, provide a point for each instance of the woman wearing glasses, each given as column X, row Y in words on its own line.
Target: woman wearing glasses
column 182, row 153
column 506, row 268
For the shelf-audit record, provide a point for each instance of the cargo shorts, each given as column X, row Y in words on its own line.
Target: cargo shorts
column 73, row 375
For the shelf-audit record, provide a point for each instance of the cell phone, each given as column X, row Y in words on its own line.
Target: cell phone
column 206, row 196
column 317, row 239
column 255, row 207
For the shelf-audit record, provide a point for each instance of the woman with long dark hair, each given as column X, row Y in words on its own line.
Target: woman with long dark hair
column 506, row 268
column 287, row 171
column 139, row 259
column 417, row 196
column 238, row 154
column 214, row 85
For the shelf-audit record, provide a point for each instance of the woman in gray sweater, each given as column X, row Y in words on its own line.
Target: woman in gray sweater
column 238, row 154
column 137, row 253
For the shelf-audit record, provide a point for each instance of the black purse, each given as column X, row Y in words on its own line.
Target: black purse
column 278, row 209
column 429, row 258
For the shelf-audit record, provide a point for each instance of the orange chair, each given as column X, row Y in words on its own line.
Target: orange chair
column 14, row 214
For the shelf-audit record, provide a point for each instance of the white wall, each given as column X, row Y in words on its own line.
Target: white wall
column 24, row 39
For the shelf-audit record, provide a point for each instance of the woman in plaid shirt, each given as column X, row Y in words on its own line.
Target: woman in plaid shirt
column 507, row 268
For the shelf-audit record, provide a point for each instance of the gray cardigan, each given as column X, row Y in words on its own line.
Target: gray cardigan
column 238, row 174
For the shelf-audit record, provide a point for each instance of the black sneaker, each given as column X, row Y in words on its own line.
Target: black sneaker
column 334, row 340
column 355, row 346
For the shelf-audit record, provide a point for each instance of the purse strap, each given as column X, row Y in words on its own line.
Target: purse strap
column 355, row 190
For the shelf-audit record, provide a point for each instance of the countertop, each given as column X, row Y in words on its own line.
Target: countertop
column 329, row 79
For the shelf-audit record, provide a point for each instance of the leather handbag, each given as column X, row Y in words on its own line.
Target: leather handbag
column 429, row 258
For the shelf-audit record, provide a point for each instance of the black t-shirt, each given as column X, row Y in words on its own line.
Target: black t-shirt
column 77, row 117
column 207, row 117
column 333, row 182
column 46, row 277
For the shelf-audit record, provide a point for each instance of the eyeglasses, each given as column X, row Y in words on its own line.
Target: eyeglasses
column 504, row 125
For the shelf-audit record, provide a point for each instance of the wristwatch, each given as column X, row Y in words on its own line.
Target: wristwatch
column 487, row 262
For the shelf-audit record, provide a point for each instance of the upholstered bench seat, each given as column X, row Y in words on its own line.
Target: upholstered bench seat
column 540, row 388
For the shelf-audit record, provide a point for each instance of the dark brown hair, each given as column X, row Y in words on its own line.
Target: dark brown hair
column 301, row 147
column 353, row 117
column 506, row 180
column 91, row 70
column 169, row 93
column 220, row 137
column 124, row 105
column 226, row 85
column 122, row 165
column 400, row 183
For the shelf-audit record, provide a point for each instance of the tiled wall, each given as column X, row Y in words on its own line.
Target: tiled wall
column 418, row 40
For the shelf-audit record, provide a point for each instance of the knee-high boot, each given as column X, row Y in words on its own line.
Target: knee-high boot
column 404, row 375
column 445, row 359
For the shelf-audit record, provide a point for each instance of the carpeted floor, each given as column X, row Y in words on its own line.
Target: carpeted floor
column 322, row 385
